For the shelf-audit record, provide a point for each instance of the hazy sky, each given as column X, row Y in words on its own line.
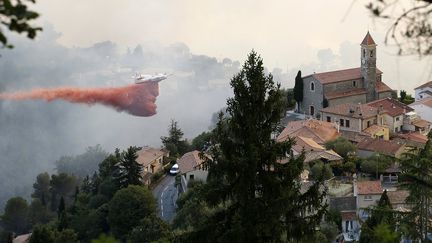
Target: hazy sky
column 288, row 34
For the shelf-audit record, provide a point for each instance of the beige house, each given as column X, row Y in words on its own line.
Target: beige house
column 370, row 146
column 353, row 117
column 368, row 194
column 319, row 131
column 152, row 161
column 313, row 151
column 393, row 113
column 398, row 200
column 190, row 166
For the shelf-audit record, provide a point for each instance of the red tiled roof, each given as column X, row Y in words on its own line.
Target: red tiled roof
column 368, row 40
column 348, row 216
column 421, row 123
column 427, row 84
column 352, row 110
column 340, row 75
column 391, row 106
column 382, row 87
column 426, row 102
column 340, row 94
column 369, row 187
column 319, row 131
column 414, row 136
column 147, row 155
column 380, row 146
column 372, row 130
column 189, row 161
column 397, row 197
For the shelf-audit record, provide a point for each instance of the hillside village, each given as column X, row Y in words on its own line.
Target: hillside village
column 352, row 106
column 350, row 128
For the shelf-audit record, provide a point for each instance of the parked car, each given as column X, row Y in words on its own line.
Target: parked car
column 174, row 169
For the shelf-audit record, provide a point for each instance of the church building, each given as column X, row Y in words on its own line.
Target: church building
column 355, row 85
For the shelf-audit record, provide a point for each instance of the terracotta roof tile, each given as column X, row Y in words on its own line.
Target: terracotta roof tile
column 340, row 75
column 427, row 84
column 368, row 40
column 413, row 136
column 382, row 87
column 369, row 187
column 397, row 197
column 352, row 110
column 319, row 131
column 426, row 102
column 421, row 123
column 148, row 155
column 391, row 106
column 340, row 94
column 374, row 129
column 380, row 146
column 189, row 161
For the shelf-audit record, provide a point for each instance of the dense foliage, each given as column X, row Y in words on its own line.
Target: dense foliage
column 253, row 197
column 16, row 17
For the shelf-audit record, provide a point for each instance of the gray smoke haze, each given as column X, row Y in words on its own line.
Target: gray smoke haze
column 34, row 134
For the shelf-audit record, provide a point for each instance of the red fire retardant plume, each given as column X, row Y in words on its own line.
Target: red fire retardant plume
column 136, row 99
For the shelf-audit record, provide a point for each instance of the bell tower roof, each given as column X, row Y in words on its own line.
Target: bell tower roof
column 367, row 41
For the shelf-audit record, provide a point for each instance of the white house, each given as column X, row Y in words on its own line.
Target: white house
column 423, row 91
column 190, row 166
column 423, row 108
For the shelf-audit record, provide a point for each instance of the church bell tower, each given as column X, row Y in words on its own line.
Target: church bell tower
column 368, row 67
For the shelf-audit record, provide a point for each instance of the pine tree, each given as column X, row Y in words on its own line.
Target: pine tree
column 255, row 198
column 298, row 89
column 175, row 142
column 129, row 170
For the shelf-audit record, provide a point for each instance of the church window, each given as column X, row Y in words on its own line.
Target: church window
column 364, row 53
column 371, row 53
column 312, row 86
column 312, row 110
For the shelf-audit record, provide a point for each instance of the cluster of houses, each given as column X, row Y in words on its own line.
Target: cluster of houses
column 355, row 104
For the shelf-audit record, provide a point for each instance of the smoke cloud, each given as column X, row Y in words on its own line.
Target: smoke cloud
column 136, row 99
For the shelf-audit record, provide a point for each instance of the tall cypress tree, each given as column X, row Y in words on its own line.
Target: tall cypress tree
column 258, row 199
column 298, row 89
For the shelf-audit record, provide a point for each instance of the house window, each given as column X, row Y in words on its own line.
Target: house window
column 368, row 198
column 354, row 83
column 421, row 96
column 312, row 86
column 368, row 124
column 397, row 118
column 396, row 129
column 191, row 177
column 312, row 110
column 328, row 119
column 347, row 123
column 341, row 122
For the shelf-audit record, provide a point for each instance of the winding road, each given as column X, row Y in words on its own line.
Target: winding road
column 166, row 196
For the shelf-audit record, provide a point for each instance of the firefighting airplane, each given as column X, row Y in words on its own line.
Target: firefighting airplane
column 141, row 78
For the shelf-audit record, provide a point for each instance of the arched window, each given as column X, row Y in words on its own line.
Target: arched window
column 312, row 86
column 371, row 53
